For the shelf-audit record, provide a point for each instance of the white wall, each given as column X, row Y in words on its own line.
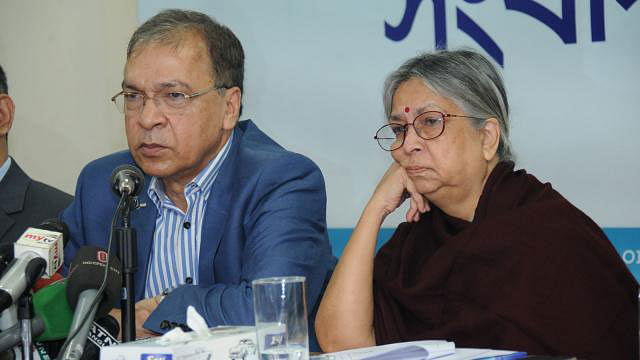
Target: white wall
column 64, row 60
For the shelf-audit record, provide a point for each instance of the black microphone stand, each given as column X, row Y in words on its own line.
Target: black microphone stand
column 127, row 246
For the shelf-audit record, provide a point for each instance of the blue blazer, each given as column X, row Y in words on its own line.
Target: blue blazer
column 266, row 216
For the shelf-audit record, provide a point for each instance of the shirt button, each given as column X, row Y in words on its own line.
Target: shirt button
column 186, row 225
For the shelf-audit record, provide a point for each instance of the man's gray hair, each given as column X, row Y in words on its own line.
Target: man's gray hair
column 467, row 78
column 173, row 25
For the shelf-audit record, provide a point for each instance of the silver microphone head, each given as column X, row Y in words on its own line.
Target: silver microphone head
column 127, row 180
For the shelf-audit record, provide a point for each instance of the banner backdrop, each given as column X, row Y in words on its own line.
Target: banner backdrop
column 314, row 74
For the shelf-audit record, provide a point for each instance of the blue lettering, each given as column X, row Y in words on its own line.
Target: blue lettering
column 597, row 20
column 471, row 28
column 626, row 4
column 597, row 17
column 564, row 27
column 401, row 31
column 398, row 33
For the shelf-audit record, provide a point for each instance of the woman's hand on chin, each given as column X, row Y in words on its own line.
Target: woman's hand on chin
column 393, row 189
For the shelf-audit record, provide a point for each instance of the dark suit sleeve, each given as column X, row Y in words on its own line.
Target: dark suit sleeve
column 285, row 230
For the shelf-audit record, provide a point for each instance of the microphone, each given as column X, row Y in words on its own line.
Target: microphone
column 57, row 225
column 9, row 317
column 43, row 283
column 103, row 333
column 85, row 278
column 12, row 336
column 127, row 179
column 38, row 252
column 51, row 306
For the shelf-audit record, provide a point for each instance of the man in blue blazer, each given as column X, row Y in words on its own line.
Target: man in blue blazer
column 225, row 204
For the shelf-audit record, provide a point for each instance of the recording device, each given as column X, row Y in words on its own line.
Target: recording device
column 50, row 304
column 9, row 320
column 103, row 333
column 43, row 283
column 52, row 308
column 127, row 179
column 12, row 336
column 38, row 252
column 57, row 225
column 85, row 278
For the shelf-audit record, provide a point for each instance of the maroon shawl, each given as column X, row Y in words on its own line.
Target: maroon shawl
column 531, row 272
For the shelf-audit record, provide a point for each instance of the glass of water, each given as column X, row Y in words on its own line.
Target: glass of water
column 280, row 309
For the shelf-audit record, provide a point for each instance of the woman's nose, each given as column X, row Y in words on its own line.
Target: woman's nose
column 412, row 142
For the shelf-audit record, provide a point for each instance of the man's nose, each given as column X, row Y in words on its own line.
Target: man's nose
column 151, row 114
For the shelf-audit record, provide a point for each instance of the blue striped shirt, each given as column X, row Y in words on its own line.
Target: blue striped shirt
column 5, row 168
column 176, row 240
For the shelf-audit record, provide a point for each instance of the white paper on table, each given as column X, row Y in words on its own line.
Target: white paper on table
column 413, row 350
column 471, row 354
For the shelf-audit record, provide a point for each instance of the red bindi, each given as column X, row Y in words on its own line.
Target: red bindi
column 406, row 109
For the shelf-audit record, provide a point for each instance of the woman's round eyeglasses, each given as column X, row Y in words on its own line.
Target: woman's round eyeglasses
column 428, row 125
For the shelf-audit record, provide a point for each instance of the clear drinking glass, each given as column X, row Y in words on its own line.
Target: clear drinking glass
column 280, row 309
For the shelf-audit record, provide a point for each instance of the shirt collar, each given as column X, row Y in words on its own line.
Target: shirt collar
column 203, row 181
column 5, row 168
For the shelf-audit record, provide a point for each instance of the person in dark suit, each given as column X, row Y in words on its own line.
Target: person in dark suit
column 225, row 204
column 23, row 202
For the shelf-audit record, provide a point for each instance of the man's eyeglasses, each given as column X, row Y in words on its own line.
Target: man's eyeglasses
column 169, row 102
column 428, row 125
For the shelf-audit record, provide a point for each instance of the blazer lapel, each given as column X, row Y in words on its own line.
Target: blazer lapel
column 144, row 219
column 13, row 188
column 216, row 214
column 6, row 222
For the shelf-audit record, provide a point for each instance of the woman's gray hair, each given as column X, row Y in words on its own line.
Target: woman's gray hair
column 171, row 27
column 464, row 76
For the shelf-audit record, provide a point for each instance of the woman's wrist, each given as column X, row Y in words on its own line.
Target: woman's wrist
column 375, row 210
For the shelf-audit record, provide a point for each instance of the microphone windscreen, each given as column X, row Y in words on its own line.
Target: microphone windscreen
column 50, row 304
column 127, row 173
column 42, row 282
column 87, row 271
column 111, row 325
column 56, row 225
column 104, row 332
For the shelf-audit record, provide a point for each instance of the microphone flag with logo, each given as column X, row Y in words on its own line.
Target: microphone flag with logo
column 87, row 271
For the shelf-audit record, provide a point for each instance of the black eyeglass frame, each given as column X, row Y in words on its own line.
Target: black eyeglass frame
column 443, row 116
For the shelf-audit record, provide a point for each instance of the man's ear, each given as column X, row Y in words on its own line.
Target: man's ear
column 7, row 108
column 490, row 138
column 233, row 101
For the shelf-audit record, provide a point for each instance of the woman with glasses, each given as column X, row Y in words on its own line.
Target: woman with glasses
column 489, row 257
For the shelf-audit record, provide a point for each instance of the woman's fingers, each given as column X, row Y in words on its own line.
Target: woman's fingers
column 421, row 203
column 412, row 212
